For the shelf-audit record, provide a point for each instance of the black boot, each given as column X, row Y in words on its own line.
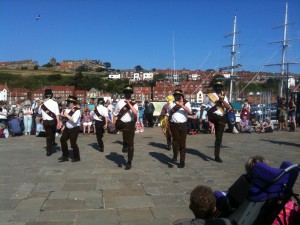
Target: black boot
column 218, row 159
column 181, row 165
column 128, row 165
column 48, row 153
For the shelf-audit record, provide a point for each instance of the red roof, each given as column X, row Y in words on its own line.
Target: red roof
column 80, row 92
column 4, row 63
column 63, row 64
column 2, row 87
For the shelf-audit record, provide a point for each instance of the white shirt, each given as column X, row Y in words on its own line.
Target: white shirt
column 128, row 116
column 76, row 119
column 27, row 112
column 181, row 115
column 3, row 114
column 51, row 105
column 211, row 104
column 103, row 111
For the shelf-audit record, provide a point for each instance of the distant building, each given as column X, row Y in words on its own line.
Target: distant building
column 61, row 93
column 18, row 95
column 21, row 64
column 114, row 76
column 4, row 93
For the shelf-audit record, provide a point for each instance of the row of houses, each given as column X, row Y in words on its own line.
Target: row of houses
column 193, row 91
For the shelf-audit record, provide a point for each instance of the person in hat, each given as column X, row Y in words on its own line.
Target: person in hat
column 164, row 121
column 51, row 121
column 72, row 116
column 125, row 116
column 100, row 115
column 178, row 113
column 217, row 103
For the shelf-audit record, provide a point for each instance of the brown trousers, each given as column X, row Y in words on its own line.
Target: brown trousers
column 128, row 133
column 71, row 134
column 179, row 133
column 50, row 129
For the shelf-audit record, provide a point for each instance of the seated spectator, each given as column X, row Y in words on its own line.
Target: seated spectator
column 255, row 125
column 203, row 205
column 40, row 130
column 267, row 126
column 244, row 125
column 3, row 115
column 227, row 201
column 3, row 131
column 191, row 124
column 231, row 121
column 15, row 126
column 211, row 127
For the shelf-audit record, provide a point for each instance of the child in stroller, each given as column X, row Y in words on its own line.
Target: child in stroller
column 259, row 195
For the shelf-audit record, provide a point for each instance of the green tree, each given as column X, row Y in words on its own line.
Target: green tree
column 107, row 65
column 138, row 68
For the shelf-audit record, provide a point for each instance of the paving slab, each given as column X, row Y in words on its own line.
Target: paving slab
column 38, row 190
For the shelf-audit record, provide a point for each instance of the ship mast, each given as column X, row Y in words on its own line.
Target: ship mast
column 233, row 52
column 284, row 66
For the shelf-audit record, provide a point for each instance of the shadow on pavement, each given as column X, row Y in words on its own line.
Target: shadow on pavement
column 162, row 158
column 158, row 145
column 118, row 142
column 116, row 158
column 197, row 153
column 95, row 146
column 282, row 143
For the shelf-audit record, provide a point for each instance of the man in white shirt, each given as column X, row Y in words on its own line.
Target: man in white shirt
column 71, row 130
column 100, row 114
column 178, row 113
column 50, row 114
column 125, row 116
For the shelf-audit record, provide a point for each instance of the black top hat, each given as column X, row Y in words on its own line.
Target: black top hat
column 128, row 89
column 101, row 101
column 178, row 92
column 48, row 93
column 72, row 99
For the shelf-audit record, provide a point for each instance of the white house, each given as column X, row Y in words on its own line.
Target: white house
column 114, row 76
column 3, row 92
column 147, row 76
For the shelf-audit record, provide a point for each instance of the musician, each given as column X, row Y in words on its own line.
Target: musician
column 72, row 117
column 164, row 121
column 178, row 113
column 50, row 114
column 100, row 115
column 217, row 102
column 125, row 116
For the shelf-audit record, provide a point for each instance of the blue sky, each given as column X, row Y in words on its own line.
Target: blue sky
column 127, row 33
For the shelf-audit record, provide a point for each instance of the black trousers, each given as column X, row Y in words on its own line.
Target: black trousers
column 71, row 134
column 179, row 133
column 150, row 119
column 219, row 130
column 128, row 132
column 50, row 129
column 99, row 132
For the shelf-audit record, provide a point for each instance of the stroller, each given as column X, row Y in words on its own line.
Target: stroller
column 257, row 198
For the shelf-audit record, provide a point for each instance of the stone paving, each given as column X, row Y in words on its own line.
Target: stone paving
column 39, row 190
